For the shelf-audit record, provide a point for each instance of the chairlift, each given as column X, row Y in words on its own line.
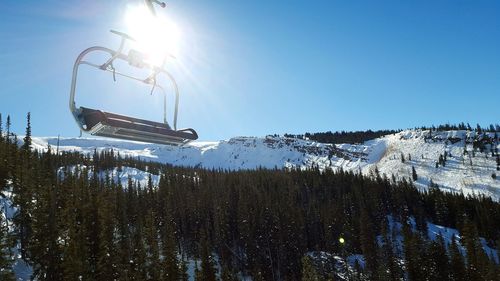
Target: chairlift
column 100, row 123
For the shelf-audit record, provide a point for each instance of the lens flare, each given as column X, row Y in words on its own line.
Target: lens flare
column 155, row 36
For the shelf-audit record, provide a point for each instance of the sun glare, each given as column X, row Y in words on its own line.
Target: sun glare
column 155, row 36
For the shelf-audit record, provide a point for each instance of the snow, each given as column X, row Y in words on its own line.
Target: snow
column 447, row 234
column 353, row 259
column 278, row 152
column 21, row 269
column 120, row 175
column 433, row 231
column 457, row 176
column 343, row 268
column 232, row 154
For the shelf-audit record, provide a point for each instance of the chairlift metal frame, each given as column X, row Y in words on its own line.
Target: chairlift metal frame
column 100, row 123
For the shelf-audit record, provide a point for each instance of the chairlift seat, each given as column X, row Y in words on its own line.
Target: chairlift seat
column 105, row 124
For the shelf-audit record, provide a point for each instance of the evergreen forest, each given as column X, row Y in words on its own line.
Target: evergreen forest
column 74, row 222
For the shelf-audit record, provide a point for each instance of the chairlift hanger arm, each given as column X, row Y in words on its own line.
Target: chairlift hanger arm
column 156, row 85
column 124, row 37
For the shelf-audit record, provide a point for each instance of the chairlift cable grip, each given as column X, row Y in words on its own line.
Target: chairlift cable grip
column 149, row 4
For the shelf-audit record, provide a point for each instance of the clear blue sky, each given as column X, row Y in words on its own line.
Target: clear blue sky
column 262, row 67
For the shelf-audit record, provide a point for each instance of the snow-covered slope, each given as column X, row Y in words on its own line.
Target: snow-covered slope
column 120, row 175
column 462, row 173
column 468, row 173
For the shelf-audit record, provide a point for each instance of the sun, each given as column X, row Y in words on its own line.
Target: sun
column 155, row 36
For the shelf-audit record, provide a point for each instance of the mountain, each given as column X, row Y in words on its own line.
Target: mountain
column 456, row 161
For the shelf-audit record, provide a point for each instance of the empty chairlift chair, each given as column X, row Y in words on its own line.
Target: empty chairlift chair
column 100, row 123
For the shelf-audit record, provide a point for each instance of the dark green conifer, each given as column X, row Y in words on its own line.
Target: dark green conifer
column 388, row 268
column 457, row 266
column 7, row 128
column 367, row 241
column 27, row 138
column 228, row 274
column 437, row 260
column 413, row 253
column 1, row 127
column 309, row 271
column 476, row 260
column 170, row 263
column 207, row 270
column 414, row 173
column 153, row 265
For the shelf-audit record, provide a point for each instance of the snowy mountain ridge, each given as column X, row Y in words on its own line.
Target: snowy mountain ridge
column 464, row 167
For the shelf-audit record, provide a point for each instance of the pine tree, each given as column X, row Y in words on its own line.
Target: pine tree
column 492, row 272
column 438, row 260
column 107, row 254
column 388, row 268
column 25, row 178
column 183, row 270
column 414, row 173
column 309, row 272
column 367, row 241
column 498, row 162
column 457, row 266
column 1, row 128
column 3, row 176
column 3, row 159
column 475, row 253
column 478, row 129
column 441, row 160
column 152, row 250
column 74, row 254
column 45, row 244
column 170, row 263
column 123, row 236
column 228, row 274
column 207, row 265
column 27, row 138
column 138, row 255
column 7, row 128
column 413, row 253
column 198, row 276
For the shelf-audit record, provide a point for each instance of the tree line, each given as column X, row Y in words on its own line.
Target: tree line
column 353, row 137
column 343, row 136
